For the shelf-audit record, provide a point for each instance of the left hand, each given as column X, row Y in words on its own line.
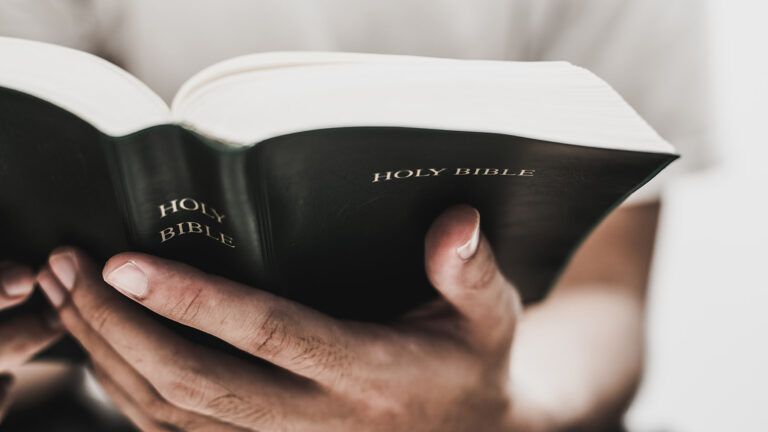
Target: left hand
column 23, row 336
column 444, row 368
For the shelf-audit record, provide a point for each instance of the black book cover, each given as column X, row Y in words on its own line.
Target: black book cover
column 333, row 218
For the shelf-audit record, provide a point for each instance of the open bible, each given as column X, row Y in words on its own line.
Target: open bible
column 314, row 175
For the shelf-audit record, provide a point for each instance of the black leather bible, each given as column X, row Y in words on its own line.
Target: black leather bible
column 314, row 175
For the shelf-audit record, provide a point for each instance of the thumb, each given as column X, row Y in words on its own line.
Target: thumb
column 6, row 382
column 461, row 266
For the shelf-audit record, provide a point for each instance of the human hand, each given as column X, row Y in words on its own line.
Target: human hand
column 444, row 367
column 23, row 336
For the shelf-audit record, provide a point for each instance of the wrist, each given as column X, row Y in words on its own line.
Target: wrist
column 537, row 411
column 525, row 416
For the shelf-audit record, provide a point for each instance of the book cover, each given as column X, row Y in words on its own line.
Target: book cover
column 334, row 218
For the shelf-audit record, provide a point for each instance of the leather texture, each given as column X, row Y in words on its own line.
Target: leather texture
column 306, row 218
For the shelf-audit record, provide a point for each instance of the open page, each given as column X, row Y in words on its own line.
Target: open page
column 252, row 98
column 99, row 92
column 265, row 95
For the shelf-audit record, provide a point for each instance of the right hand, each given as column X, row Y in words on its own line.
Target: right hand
column 22, row 336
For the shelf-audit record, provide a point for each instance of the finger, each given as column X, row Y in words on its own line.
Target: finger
column 6, row 382
column 461, row 266
column 284, row 333
column 125, row 404
column 102, row 353
column 143, row 394
column 16, row 284
column 143, row 419
column 24, row 336
column 187, row 375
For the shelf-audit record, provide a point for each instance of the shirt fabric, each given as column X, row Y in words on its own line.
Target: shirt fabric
column 653, row 52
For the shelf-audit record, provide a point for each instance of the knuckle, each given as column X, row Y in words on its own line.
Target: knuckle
column 234, row 407
column 163, row 417
column 100, row 317
column 271, row 334
column 186, row 389
column 277, row 334
column 486, row 274
column 379, row 350
column 155, row 407
column 174, row 426
column 186, row 307
column 226, row 405
column 383, row 408
column 158, row 425
column 322, row 358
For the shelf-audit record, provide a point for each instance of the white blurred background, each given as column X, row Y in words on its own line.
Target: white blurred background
column 708, row 324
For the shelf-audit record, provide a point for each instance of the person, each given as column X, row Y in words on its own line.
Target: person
column 475, row 359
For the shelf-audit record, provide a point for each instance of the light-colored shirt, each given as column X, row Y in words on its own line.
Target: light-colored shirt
column 654, row 52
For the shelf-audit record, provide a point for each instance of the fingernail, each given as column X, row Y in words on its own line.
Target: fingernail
column 16, row 283
column 63, row 267
column 468, row 249
column 52, row 288
column 129, row 279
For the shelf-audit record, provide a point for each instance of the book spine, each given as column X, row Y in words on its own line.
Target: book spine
column 192, row 200
column 117, row 177
column 270, row 267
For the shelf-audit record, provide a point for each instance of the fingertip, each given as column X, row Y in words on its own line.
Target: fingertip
column 68, row 263
column 112, row 263
column 148, row 269
column 129, row 272
column 51, row 287
column 63, row 263
column 17, row 282
column 129, row 279
column 66, row 249
column 454, row 226
column 468, row 249
column 462, row 267
column 452, row 239
column 116, row 261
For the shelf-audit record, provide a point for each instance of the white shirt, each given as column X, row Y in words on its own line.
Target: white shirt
column 652, row 51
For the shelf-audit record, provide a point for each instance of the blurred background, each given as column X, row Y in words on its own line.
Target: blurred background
column 707, row 324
